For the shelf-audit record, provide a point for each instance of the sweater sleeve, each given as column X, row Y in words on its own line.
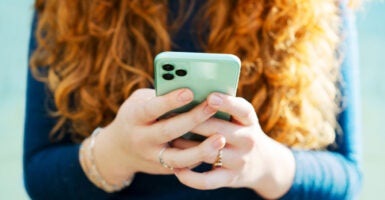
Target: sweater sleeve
column 51, row 170
column 336, row 173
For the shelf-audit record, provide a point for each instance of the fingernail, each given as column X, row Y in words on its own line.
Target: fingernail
column 184, row 96
column 215, row 100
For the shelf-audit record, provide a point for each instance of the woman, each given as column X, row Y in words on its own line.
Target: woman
column 287, row 138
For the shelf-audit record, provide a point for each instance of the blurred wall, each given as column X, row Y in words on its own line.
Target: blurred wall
column 15, row 18
column 371, row 27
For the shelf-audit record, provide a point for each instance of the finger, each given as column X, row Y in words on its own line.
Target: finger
column 232, row 132
column 172, row 128
column 207, row 149
column 230, row 157
column 240, row 109
column 181, row 143
column 204, row 181
column 159, row 105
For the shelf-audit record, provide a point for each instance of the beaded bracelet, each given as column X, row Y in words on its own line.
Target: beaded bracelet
column 93, row 172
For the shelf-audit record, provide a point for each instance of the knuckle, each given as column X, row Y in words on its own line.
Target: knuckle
column 136, row 93
column 242, row 161
column 165, row 131
column 248, row 114
column 147, row 111
column 142, row 93
column 243, row 101
column 249, row 141
column 249, row 109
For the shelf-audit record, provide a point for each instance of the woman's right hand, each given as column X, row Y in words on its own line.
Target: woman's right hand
column 132, row 141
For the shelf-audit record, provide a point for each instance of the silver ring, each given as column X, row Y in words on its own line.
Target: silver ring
column 218, row 161
column 161, row 161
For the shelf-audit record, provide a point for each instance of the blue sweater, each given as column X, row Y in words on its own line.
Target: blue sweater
column 52, row 170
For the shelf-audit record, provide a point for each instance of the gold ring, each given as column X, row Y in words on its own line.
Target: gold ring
column 218, row 161
column 161, row 161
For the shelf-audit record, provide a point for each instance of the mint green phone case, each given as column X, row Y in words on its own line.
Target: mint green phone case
column 203, row 73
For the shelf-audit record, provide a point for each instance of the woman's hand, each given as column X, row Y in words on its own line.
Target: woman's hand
column 133, row 141
column 250, row 158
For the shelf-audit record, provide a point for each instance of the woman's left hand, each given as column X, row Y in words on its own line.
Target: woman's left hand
column 250, row 158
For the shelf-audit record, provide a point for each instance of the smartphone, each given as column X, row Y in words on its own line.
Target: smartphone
column 202, row 73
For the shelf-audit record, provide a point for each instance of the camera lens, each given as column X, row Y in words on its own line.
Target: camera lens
column 168, row 76
column 181, row 72
column 168, row 67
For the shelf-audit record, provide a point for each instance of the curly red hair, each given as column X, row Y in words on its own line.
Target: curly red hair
column 97, row 52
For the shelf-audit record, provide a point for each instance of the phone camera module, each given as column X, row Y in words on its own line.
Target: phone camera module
column 168, row 67
column 168, row 76
column 181, row 72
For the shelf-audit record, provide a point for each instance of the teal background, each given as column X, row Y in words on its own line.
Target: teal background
column 15, row 19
